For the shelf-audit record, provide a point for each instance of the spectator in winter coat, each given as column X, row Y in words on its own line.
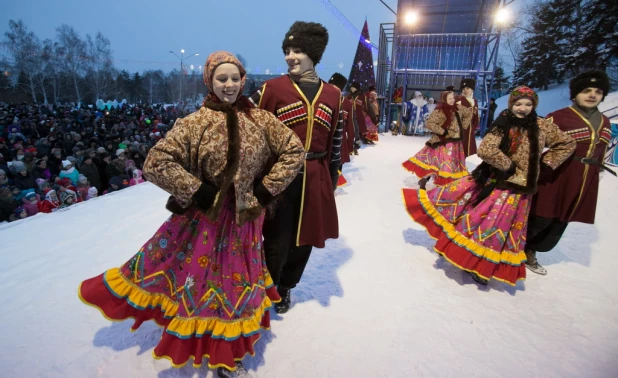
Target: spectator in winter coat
column 50, row 203
column 69, row 171
column 29, row 161
column 68, row 198
column 101, row 163
column 138, row 159
column 5, row 182
column 22, row 179
column 115, row 184
column 90, row 170
column 43, row 147
column 19, row 213
column 92, row 193
column 82, row 187
column 137, row 178
column 55, row 161
column 8, row 204
column 41, row 170
column 31, row 203
column 4, row 150
column 115, row 168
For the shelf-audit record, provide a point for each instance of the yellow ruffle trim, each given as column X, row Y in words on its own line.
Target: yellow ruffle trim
column 464, row 242
column 456, row 175
column 186, row 327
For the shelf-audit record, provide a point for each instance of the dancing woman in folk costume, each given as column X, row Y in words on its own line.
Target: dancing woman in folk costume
column 373, row 113
column 479, row 222
column 202, row 276
column 569, row 194
column 443, row 154
column 307, row 215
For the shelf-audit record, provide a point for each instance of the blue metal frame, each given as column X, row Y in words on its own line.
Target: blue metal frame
column 415, row 54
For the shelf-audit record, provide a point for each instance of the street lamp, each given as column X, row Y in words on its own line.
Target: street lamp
column 182, row 59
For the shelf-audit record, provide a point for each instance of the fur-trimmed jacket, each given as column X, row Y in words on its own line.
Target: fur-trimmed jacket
column 453, row 132
column 228, row 148
column 511, row 151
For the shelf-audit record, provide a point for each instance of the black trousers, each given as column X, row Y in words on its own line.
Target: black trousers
column 544, row 233
column 285, row 261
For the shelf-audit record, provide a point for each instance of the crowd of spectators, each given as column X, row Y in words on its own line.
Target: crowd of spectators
column 53, row 156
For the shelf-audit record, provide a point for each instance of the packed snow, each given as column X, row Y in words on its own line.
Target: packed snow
column 377, row 302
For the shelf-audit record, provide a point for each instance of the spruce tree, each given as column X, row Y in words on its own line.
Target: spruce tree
column 538, row 62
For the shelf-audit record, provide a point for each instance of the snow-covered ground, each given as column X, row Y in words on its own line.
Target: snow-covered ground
column 377, row 302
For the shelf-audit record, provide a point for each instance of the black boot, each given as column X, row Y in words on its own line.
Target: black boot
column 283, row 306
column 478, row 279
column 422, row 183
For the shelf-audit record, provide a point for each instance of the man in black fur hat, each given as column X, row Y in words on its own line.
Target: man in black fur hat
column 467, row 99
column 569, row 194
column 307, row 214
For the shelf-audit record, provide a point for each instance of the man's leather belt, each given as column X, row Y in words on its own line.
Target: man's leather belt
column 315, row 155
column 594, row 161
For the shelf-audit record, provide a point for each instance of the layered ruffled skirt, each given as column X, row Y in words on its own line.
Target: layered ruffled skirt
column 372, row 129
column 487, row 239
column 446, row 161
column 204, row 282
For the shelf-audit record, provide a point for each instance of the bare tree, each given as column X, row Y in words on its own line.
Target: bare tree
column 50, row 61
column 73, row 55
column 25, row 48
column 100, row 64
column 153, row 83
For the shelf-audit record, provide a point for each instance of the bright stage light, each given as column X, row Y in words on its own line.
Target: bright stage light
column 502, row 16
column 411, row 17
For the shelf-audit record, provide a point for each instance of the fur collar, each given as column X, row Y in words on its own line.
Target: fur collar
column 233, row 154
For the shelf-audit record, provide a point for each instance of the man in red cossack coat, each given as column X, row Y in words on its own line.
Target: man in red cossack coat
column 357, row 98
column 569, row 194
column 467, row 99
column 347, row 142
column 307, row 214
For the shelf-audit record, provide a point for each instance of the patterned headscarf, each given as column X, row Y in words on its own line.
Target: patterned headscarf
column 218, row 58
column 523, row 92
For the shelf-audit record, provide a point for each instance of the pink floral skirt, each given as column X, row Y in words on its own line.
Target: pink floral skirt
column 372, row 129
column 487, row 239
column 446, row 161
column 206, row 283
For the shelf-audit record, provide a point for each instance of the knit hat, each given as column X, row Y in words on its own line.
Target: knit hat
column 310, row 37
column 66, row 163
column 66, row 182
column 468, row 83
column 590, row 79
column 30, row 195
column 523, row 92
column 92, row 191
column 82, row 179
column 216, row 59
column 17, row 167
column 19, row 210
column 72, row 159
column 100, row 150
column 119, row 151
column 338, row 80
column 356, row 85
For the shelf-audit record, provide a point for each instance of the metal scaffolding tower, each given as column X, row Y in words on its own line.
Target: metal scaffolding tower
column 436, row 44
